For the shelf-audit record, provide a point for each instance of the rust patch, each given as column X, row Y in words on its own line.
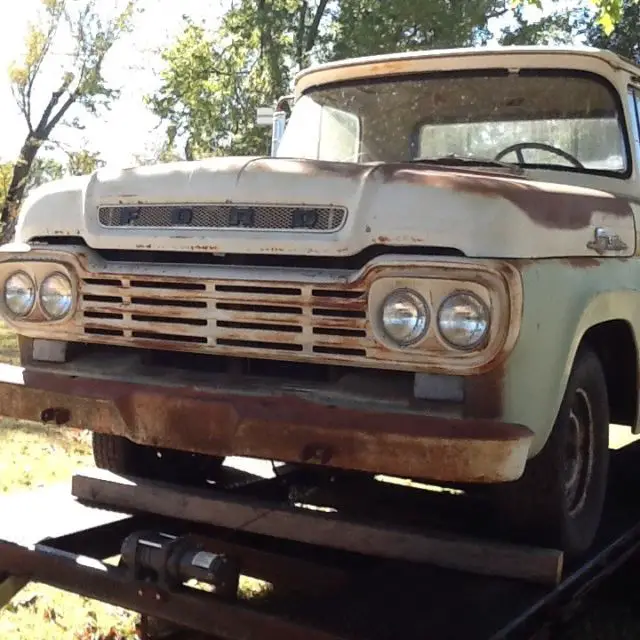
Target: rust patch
column 349, row 170
column 483, row 395
column 582, row 263
column 273, row 426
column 551, row 206
column 205, row 247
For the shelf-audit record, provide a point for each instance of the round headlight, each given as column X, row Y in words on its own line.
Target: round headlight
column 19, row 294
column 56, row 296
column 405, row 317
column 463, row 320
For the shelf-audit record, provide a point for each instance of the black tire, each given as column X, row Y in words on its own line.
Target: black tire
column 122, row 456
column 559, row 499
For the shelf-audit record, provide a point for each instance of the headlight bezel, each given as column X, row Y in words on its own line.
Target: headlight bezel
column 34, row 285
column 51, row 317
column 37, row 271
column 435, row 283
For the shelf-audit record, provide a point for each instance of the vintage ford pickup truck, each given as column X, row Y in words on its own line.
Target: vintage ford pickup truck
column 435, row 278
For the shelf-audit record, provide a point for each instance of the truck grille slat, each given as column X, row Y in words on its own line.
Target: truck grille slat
column 256, row 290
column 169, row 286
column 160, row 310
column 284, row 322
column 175, row 337
column 245, row 319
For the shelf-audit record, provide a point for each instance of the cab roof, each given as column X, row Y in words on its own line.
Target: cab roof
column 575, row 57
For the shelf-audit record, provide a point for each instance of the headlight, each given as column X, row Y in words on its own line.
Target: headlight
column 405, row 317
column 463, row 320
column 19, row 294
column 56, row 296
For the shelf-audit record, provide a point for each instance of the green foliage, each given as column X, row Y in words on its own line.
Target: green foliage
column 6, row 169
column 609, row 11
column 213, row 86
column 365, row 27
column 559, row 27
column 44, row 170
column 83, row 162
column 624, row 37
column 213, row 82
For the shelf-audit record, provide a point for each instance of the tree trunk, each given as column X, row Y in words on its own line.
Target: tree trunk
column 17, row 187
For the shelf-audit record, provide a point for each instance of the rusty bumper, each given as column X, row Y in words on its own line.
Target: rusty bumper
column 271, row 424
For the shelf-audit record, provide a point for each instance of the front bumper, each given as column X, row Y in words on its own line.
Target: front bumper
column 217, row 416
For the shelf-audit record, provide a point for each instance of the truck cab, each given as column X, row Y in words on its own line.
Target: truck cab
column 435, row 277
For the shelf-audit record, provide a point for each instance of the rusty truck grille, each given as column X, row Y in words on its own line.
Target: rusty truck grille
column 224, row 216
column 226, row 318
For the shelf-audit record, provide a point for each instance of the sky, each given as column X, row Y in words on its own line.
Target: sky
column 133, row 65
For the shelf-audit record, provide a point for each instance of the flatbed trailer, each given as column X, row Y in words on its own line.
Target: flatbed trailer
column 345, row 575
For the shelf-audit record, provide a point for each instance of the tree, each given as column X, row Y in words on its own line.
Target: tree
column 609, row 11
column 6, row 169
column 81, row 82
column 624, row 37
column 43, row 170
column 83, row 162
column 365, row 27
column 214, row 82
column 560, row 27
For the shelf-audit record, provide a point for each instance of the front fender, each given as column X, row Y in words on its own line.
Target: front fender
column 563, row 299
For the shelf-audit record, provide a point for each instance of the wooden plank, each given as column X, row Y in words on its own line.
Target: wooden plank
column 10, row 586
column 537, row 565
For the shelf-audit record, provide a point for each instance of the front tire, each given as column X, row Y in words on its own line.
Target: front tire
column 122, row 456
column 559, row 499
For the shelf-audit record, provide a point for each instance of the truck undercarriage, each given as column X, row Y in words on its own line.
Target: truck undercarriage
column 176, row 554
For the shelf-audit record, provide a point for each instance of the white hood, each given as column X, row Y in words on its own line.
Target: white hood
column 478, row 212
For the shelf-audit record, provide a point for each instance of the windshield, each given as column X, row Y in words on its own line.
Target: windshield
column 557, row 120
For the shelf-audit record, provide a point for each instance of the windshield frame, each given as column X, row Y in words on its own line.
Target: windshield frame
column 497, row 72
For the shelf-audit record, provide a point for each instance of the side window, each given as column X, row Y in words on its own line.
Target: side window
column 634, row 109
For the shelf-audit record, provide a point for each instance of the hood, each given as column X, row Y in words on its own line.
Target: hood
column 303, row 207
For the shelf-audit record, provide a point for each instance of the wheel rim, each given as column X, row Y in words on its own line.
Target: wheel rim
column 579, row 452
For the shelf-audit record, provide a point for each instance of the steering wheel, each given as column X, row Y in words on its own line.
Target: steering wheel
column 519, row 146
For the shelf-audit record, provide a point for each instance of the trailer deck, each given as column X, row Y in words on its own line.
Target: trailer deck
column 345, row 575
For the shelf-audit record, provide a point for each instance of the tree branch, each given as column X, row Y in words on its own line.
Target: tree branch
column 312, row 34
column 304, row 8
column 46, row 47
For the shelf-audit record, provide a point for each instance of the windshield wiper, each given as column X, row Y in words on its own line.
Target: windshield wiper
column 454, row 159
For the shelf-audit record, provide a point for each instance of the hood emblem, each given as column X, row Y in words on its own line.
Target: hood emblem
column 605, row 240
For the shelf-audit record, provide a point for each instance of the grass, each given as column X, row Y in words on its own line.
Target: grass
column 32, row 456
